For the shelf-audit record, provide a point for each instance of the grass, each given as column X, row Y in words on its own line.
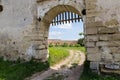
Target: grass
column 19, row 71
column 77, row 48
column 89, row 75
column 60, row 53
column 57, row 54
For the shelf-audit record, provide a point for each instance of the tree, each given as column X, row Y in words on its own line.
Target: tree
column 50, row 45
column 81, row 40
column 77, row 45
column 81, row 34
column 65, row 45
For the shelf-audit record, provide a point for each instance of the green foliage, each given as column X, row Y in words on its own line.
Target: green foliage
column 57, row 54
column 81, row 34
column 19, row 71
column 65, row 45
column 71, row 45
column 56, row 45
column 81, row 41
column 89, row 75
column 77, row 45
column 77, row 48
column 50, row 45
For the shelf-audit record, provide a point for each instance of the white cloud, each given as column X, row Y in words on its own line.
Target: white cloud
column 55, row 35
column 64, row 26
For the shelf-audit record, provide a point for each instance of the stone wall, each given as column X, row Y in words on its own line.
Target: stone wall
column 16, row 20
column 102, row 39
column 25, row 26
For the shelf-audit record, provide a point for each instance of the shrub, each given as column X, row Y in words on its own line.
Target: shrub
column 50, row 45
column 77, row 45
column 81, row 42
column 65, row 45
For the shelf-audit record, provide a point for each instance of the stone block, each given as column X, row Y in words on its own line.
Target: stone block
column 114, row 37
column 112, row 66
column 104, row 37
column 106, row 56
column 94, row 24
column 41, row 47
column 93, row 50
column 94, row 65
column 108, row 43
column 105, row 30
column 110, row 37
column 91, row 30
column 117, row 57
column 112, row 22
column 94, row 57
column 90, row 44
column 92, row 38
column 114, row 49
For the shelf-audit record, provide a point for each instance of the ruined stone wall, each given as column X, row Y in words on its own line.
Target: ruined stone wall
column 15, row 19
column 103, row 34
column 24, row 28
column 22, row 33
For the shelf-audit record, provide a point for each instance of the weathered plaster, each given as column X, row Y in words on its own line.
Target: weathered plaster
column 110, row 10
column 23, row 35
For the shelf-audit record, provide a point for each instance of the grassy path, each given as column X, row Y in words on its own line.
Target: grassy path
column 56, row 54
column 63, row 70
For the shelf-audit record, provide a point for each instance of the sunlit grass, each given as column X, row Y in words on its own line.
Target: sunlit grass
column 57, row 54
column 77, row 48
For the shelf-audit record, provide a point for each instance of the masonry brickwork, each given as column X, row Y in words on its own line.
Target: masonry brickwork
column 24, row 28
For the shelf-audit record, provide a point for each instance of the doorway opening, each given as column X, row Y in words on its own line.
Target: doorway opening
column 64, row 24
column 65, row 33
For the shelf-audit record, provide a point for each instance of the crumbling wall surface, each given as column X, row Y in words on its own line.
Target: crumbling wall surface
column 103, row 44
column 15, row 18
column 23, row 31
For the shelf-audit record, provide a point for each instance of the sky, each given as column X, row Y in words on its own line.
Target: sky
column 69, row 31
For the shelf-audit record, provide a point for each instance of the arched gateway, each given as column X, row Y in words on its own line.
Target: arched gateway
column 25, row 27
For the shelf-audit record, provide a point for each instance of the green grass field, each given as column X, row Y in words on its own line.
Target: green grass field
column 60, row 53
column 56, row 54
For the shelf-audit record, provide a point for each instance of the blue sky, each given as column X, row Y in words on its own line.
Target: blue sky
column 67, row 31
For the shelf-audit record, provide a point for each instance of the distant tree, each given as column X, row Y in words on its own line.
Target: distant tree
column 77, row 45
column 56, row 45
column 81, row 40
column 81, row 34
column 71, row 45
column 65, row 45
column 50, row 45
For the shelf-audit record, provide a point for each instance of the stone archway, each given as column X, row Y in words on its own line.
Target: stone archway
column 98, row 44
column 45, row 18
column 27, row 35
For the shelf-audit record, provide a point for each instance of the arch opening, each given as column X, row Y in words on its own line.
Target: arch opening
column 59, row 23
column 58, row 15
